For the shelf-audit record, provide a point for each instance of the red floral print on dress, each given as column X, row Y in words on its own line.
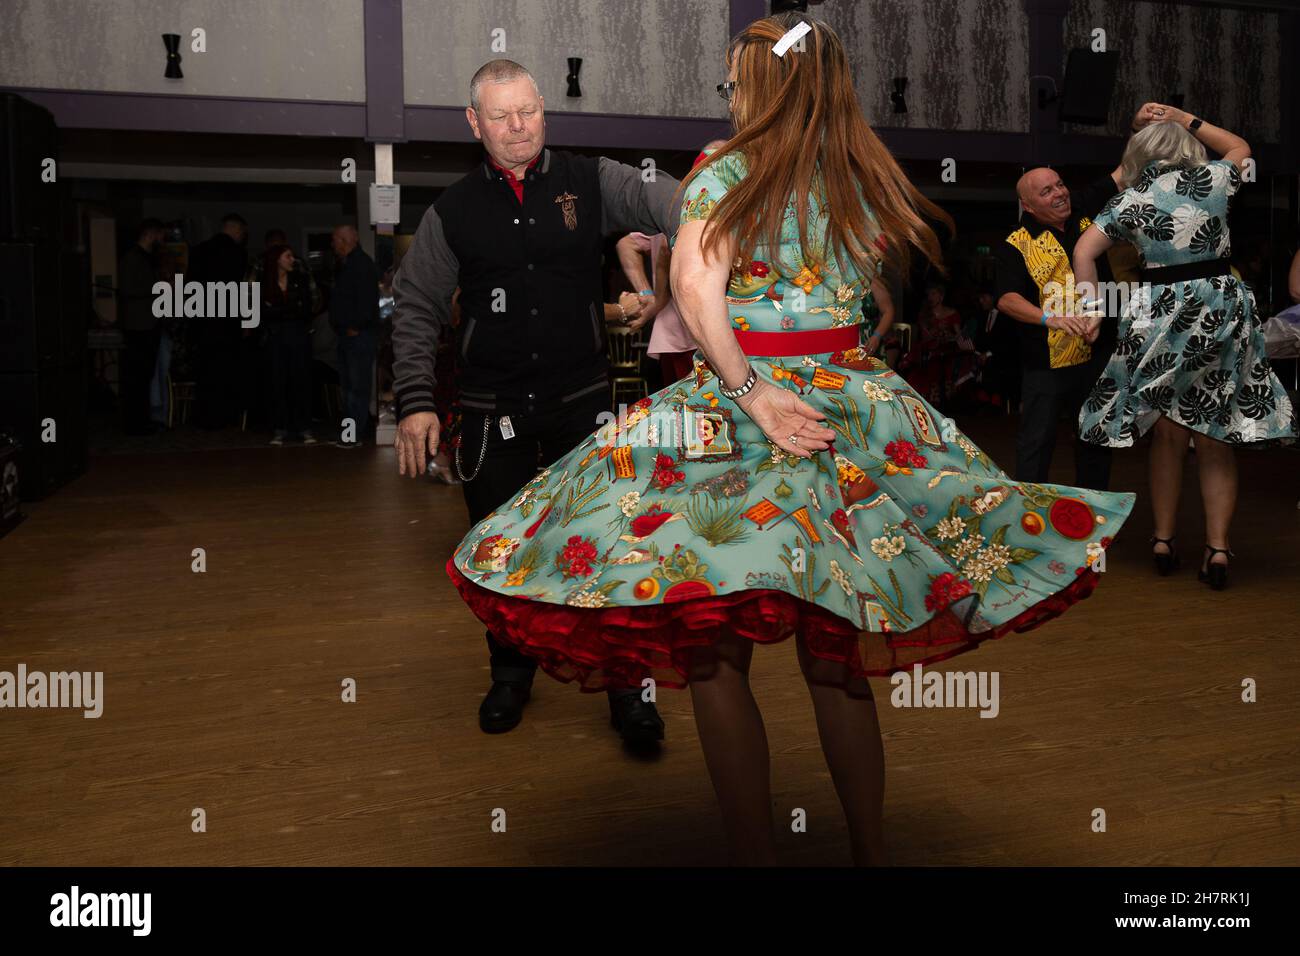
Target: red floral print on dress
column 945, row 589
column 574, row 560
column 665, row 473
column 904, row 454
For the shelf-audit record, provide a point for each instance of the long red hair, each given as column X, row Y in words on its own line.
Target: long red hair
column 271, row 272
column 801, row 130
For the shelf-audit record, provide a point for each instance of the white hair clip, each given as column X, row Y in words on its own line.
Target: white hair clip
column 792, row 36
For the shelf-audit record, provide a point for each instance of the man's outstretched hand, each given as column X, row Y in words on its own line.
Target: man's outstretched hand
column 416, row 442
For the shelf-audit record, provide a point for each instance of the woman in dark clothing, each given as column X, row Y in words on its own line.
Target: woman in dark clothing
column 286, row 309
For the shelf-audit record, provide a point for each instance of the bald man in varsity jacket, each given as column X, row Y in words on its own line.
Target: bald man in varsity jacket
column 521, row 237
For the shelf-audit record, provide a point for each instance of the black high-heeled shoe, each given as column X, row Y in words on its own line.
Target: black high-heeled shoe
column 1215, row 575
column 1165, row 563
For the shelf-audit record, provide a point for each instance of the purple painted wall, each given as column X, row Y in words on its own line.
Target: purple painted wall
column 198, row 114
column 385, row 117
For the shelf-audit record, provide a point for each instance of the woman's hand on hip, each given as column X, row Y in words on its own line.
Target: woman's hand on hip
column 788, row 422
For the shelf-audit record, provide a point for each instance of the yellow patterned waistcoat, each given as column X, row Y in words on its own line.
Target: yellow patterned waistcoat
column 1048, row 263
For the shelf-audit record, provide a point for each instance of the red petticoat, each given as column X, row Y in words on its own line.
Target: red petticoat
column 617, row 647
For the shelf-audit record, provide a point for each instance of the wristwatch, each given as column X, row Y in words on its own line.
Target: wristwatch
column 1194, row 125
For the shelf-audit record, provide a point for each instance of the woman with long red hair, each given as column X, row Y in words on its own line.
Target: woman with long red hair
column 830, row 503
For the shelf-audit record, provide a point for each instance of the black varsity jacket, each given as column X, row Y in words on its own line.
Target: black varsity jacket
column 532, row 332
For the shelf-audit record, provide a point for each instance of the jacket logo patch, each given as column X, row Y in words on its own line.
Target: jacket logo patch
column 570, row 211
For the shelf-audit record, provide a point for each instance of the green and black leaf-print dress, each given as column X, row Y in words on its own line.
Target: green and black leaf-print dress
column 678, row 522
column 1192, row 350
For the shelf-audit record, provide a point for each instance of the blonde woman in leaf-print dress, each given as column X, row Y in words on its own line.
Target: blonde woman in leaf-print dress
column 829, row 503
column 1190, row 362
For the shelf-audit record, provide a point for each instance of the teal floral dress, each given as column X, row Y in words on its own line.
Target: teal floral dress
column 1192, row 350
column 677, row 522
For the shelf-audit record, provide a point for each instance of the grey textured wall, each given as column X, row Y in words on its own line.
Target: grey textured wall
column 965, row 60
column 1226, row 62
column 286, row 49
column 648, row 57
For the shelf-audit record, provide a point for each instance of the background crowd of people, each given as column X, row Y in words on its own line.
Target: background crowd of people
column 316, row 332
column 323, row 329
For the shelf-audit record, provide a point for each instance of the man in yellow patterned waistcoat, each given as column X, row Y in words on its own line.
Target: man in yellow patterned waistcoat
column 1059, row 368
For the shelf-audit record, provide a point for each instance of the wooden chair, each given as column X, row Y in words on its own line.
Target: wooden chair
column 627, row 383
column 180, row 396
column 904, row 330
column 332, row 399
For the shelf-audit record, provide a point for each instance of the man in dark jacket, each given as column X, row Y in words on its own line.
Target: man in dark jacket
column 354, row 316
column 521, row 237
column 219, row 368
column 141, row 332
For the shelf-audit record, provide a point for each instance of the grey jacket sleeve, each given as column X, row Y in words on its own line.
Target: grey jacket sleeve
column 422, row 291
column 629, row 204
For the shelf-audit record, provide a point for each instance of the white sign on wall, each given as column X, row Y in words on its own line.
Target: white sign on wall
column 385, row 204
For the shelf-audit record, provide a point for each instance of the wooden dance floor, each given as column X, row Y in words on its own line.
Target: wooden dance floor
column 222, row 692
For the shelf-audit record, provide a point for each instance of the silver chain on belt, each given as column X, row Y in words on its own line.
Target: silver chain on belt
column 482, row 453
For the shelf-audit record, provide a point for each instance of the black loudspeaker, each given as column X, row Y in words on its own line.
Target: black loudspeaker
column 44, row 300
column 29, row 306
column 29, row 401
column 29, row 206
column 1089, row 83
column 44, row 306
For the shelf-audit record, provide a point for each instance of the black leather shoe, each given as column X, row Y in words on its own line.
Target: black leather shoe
column 503, row 707
column 637, row 722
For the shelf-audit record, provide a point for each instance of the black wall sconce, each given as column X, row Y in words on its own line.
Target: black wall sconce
column 575, row 67
column 896, row 97
column 173, row 43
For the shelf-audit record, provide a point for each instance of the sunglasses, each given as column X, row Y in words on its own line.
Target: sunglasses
column 727, row 90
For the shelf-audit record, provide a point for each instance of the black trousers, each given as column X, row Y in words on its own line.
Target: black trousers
column 218, row 372
column 1047, row 393
column 138, row 365
column 290, row 345
column 508, row 465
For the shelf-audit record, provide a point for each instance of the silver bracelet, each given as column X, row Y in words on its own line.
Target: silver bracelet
column 734, row 393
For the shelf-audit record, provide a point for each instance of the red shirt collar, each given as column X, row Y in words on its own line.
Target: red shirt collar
column 511, row 177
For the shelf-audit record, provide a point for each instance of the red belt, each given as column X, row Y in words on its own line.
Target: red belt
column 788, row 344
